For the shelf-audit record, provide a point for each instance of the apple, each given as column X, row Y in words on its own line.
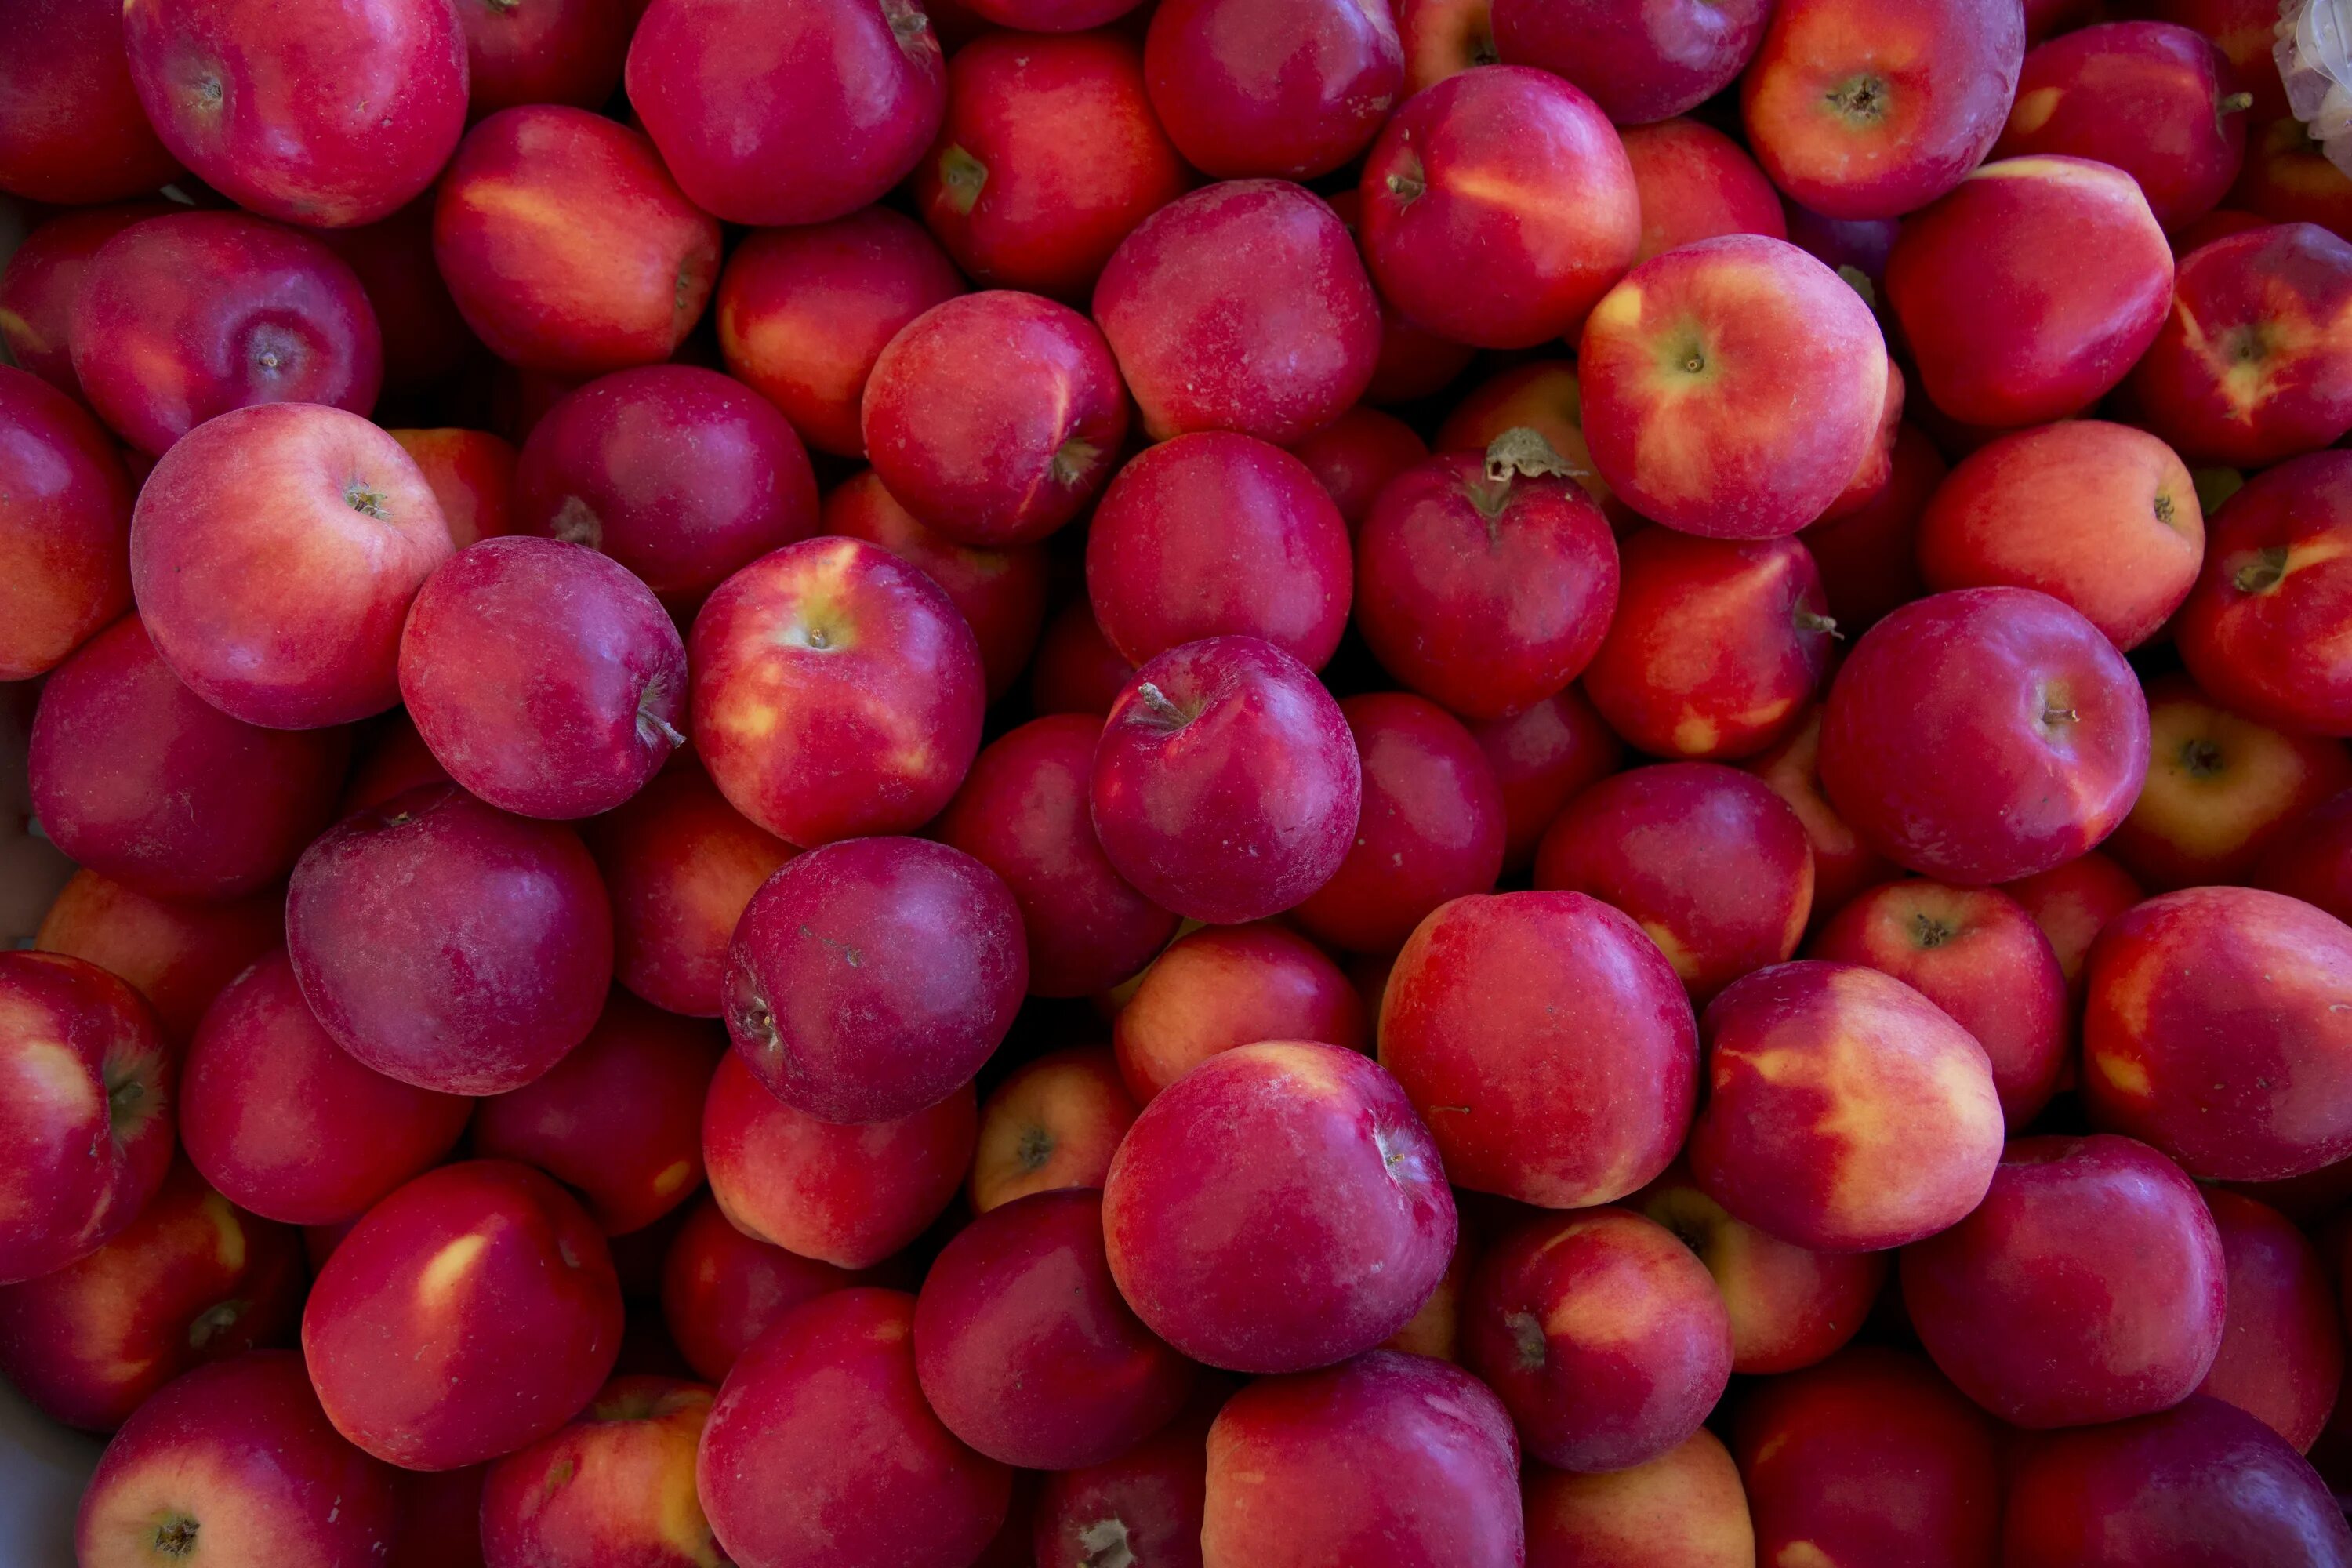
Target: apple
column 472, row 476
column 176, row 953
column 440, row 1519
column 1443, row 37
column 2073, row 903
column 425, row 338
column 1147, row 1502
column 2282, row 1355
column 1053, row 1123
column 1843, row 866
column 1542, row 396
column 568, row 51
column 2312, row 858
column 1867, row 557
column 1695, row 183
column 72, row 129
column 1291, row 89
column 1683, row 1510
column 1640, row 67
column 1223, row 986
column 1543, row 757
column 2258, row 631
column 1077, row 670
column 39, row 283
column 616, row 1482
column 721, row 1290
column 1355, row 457
column 2287, row 177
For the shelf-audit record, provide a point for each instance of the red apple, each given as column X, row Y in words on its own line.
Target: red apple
column 1543, row 757
column 1147, row 1502
column 2282, row 1355
column 1230, row 985
column 1054, row 1123
column 2260, row 629
column 1077, row 670
column 1683, row 1510
column 1285, row 88
column 425, row 338
column 2073, row 903
column 1047, row 16
column 1355, row 457
column 2310, row 859
column 721, row 1290
column 564, row 51
column 1866, row 556
column 178, row 954
column 472, row 476
column 1694, row 182
column 1443, row 38
column 1642, row 65
column 615, row 1484
column 41, row 280
column 1843, row 864
column 2287, row 176
column 71, row 126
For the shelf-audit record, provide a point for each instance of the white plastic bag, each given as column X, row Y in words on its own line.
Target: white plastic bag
column 2313, row 47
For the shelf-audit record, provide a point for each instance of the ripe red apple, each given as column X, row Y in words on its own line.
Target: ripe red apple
column 472, row 476
column 1077, row 670
column 40, row 281
column 1543, row 757
column 1695, row 183
column 567, row 51
column 1443, row 38
column 1147, row 1502
column 1223, row 986
column 2073, row 903
column 1048, row 16
column 1683, row 1510
column 1639, row 66
column 1355, row 457
column 63, row 528
column 2259, row 629
column 1866, row 556
column 616, row 1482
column 721, row 1290
column 1054, row 1123
column 1843, row 864
column 1291, row 89
column 71, row 126
column 2282, row 1355
column 176, row 953
column 2312, row 859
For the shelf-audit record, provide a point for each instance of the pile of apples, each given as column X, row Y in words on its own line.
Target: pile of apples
column 1226, row 783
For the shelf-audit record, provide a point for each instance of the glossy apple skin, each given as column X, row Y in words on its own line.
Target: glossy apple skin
column 720, row 1289
column 2073, row 903
column 803, row 313
column 678, row 473
column 1229, row 985
column 563, row 51
column 2077, row 93
column 2101, row 516
column 1149, row 1500
column 1225, row 785
column 1077, row 670
column 1687, row 367
column 1717, row 647
column 63, row 528
column 1872, row 111
column 1355, row 457
column 186, row 316
column 1714, row 866
column 1869, row 1457
column 2312, row 859
column 2282, row 1355
column 1542, row 758
column 567, row 244
column 1217, row 534
column 1683, row 1510
column 285, row 483
column 2287, row 178
column 791, row 114
column 1277, row 348
column 1565, row 1031
column 1977, row 954
column 1487, row 595
column 238, row 1456
column 178, row 954
column 72, row 128
column 1697, row 184
column 615, row 1484
column 836, row 692
column 40, row 280
column 332, row 119
column 137, row 777
column 472, row 476
column 2033, row 692
column 2089, row 1286
column 1443, row 38
column 1866, row 556
column 449, row 945
column 1048, row 156
column 192, row 1279
column 1289, row 1461
column 287, row 1123
column 544, row 677
column 2254, row 362
column 2220, row 790
column 1824, row 1081
column 1023, row 813
column 1843, row 864
column 1285, row 89
column 2258, row 631
column 1638, row 65
column 1788, row 1306
column 679, row 864
column 1602, row 1335
column 1280, row 1208
column 89, row 1111
column 845, row 1195
column 2203, row 1480
column 1024, row 1348
column 1514, row 173
column 787, row 1471
column 1054, row 1123
column 2212, row 1032
column 619, row 1120
column 2027, row 292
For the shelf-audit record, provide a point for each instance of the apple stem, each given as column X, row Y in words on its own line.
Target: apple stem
column 2236, row 103
column 1152, row 698
column 1812, row 621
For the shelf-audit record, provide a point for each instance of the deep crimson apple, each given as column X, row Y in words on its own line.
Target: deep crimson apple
column 2050, row 717
column 39, row 282
column 1543, row 757
column 1215, row 534
column 472, row 476
column 1048, row 156
column 71, row 127
column 441, row 1518
column 1147, row 1503
column 558, row 51
column 567, row 244
column 1714, row 866
column 1077, row 670
column 192, row 1279
column 803, row 313
column 472, row 1312
column 1240, row 307
column 616, row 1482
column 331, row 118
column 2027, row 292
column 1225, row 785
column 1732, row 387
column 2287, row 177
column 449, row 945
column 1279, row 1207
column 89, row 1109
column 678, row 473
column 1845, row 1112
column 1223, row 986
column 178, row 954
column 2089, row 1286
column 2282, row 1355
column 836, row 692
column 1683, row 1510
column 845, row 1195
column 721, row 1290
column 994, row 418
column 1049, row 15
column 2311, row 860
column 1291, row 88
column 1866, row 556
column 1054, row 1123
column 285, row 1122
column 2073, row 903
column 1694, row 183
column 2214, row 1030
column 136, row 777
column 1843, row 864
column 1514, row 176
column 1485, row 582
column 1023, row 813
column 189, row 315
column 2260, row 629
column 1391, row 1458
column 1638, row 65
column 425, row 338
column 790, row 113
column 65, row 520
column 1869, row 109
column 821, row 1448
column 2244, row 30
column 1547, row 1043
column 280, row 547
column 1355, row 457
column 1603, row 1336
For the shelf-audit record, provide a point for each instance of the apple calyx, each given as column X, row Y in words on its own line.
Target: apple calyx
column 961, row 178
column 365, row 501
column 1527, row 1337
column 1861, row 98
column 1035, row 1148
column 175, row 1536
column 1927, row 930
column 1408, row 183
column 2202, row 757
column 214, row 1321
